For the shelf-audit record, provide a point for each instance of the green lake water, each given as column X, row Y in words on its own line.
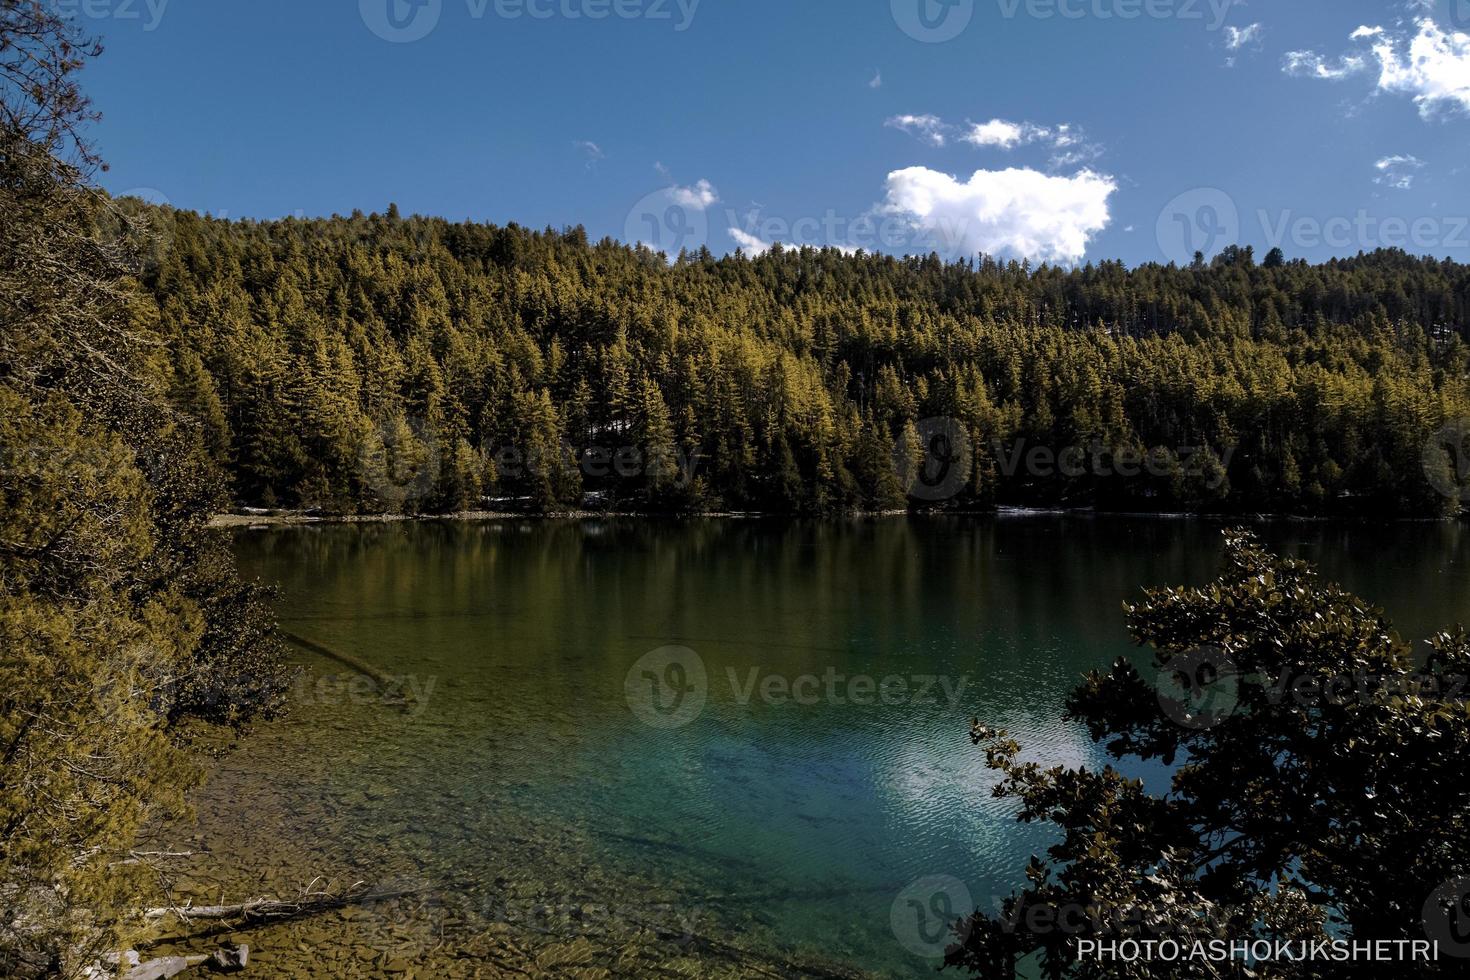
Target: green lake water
column 529, row 797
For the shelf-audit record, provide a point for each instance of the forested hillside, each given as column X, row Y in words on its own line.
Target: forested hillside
column 381, row 363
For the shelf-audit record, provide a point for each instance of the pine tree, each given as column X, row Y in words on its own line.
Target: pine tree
column 121, row 619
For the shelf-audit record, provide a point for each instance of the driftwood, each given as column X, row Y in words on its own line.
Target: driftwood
column 265, row 910
column 257, row 908
column 227, row 958
column 268, row 909
column 147, row 857
column 389, row 686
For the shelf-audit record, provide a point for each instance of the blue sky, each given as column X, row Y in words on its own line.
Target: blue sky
column 1062, row 130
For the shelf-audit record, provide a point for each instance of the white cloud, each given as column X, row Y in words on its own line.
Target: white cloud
column 1067, row 141
column 752, row 245
column 696, row 198
column 926, row 127
column 1065, row 135
column 877, row 81
column 1397, row 171
column 1238, row 37
column 748, row 243
column 591, row 150
column 999, row 132
column 1008, row 135
column 1310, row 64
column 1071, row 158
column 1399, row 160
column 1019, row 212
column 1432, row 66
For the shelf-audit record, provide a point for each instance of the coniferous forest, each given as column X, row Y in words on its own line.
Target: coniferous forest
column 377, row 363
column 158, row 367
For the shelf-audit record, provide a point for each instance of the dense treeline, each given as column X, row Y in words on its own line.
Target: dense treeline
column 388, row 363
column 125, row 632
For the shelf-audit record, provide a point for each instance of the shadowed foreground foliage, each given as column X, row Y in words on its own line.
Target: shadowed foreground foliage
column 1320, row 788
column 123, row 625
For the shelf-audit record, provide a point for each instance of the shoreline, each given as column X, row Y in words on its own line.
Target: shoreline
column 288, row 519
column 235, row 520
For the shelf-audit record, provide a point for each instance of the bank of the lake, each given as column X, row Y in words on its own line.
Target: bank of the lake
column 264, row 518
column 275, row 518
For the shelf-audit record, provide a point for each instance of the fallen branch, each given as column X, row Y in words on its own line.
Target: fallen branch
column 389, row 686
column 263, row 909
column 142, row 857
column 230, row 958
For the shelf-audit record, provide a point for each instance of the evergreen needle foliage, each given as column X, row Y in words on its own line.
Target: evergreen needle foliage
column 383, row 363
column 123, row 625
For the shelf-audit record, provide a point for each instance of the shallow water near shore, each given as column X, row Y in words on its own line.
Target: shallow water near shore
column 801, row 796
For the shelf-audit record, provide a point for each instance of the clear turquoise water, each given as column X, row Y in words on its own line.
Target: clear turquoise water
column 791, row 827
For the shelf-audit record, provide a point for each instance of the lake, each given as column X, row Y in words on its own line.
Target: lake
column 688, row 747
